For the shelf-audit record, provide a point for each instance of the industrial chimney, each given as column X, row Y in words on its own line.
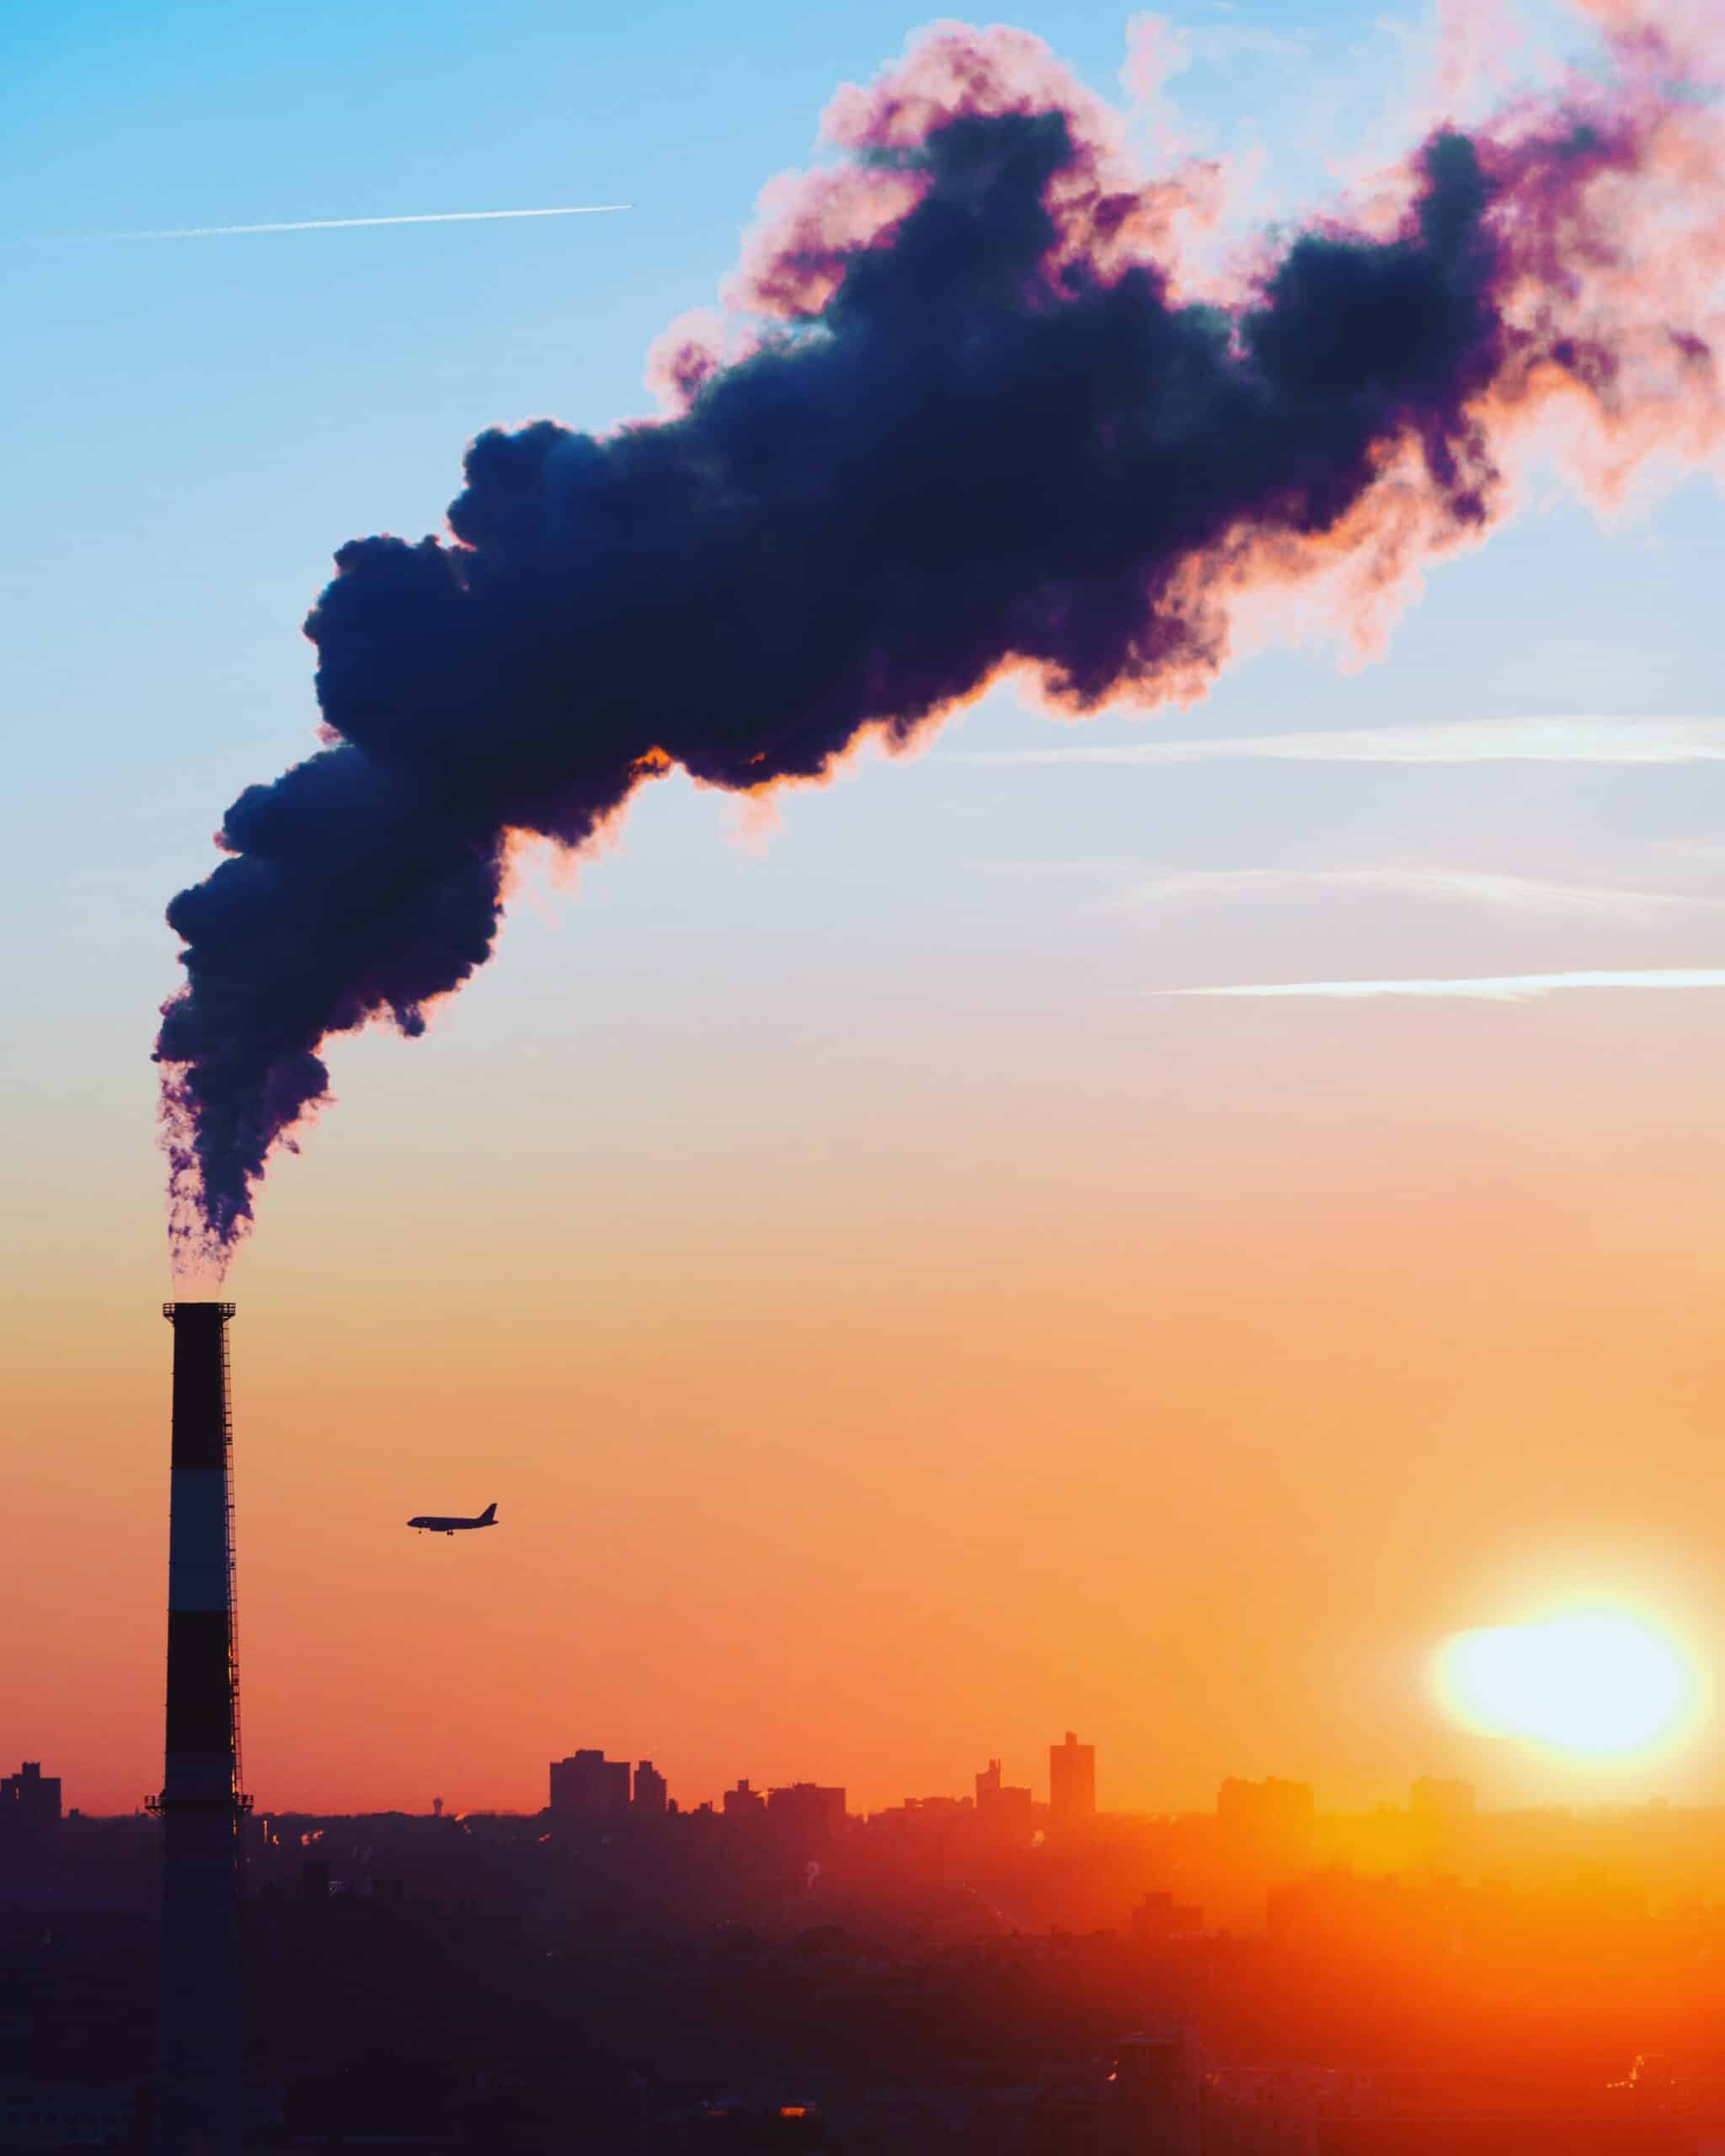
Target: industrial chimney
column 200, row 2107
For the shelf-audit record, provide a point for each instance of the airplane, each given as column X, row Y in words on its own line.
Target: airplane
column 433, row 1523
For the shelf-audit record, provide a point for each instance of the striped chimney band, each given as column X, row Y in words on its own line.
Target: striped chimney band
column 201, row 2101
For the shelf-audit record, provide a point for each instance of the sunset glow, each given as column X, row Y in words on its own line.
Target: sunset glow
column 1598, row 1682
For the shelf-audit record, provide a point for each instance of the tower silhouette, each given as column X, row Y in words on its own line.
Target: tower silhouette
column 200, row 2108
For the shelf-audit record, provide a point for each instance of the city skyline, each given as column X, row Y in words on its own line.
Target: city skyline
column 1417, row 1982
column 588, row 1784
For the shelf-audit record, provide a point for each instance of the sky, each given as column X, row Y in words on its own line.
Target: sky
column 896, row 1320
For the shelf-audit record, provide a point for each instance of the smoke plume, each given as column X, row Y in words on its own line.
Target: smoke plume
column 974, row 423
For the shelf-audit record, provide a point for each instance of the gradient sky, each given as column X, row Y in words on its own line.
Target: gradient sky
column 893, row 1330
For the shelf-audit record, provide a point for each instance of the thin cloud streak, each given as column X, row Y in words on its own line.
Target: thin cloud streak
column 1499, row 988
column 1580, row 740
column 1521, row 894
column 326, row 225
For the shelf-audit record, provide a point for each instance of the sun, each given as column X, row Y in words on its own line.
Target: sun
column 1595, row 1683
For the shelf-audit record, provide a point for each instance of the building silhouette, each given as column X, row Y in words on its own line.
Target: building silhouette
column 742, row 1802
column 1159, row 1917
column 1153, row 2096
column 587, row 1785
column 1272, row 1809
column 1001, row 1809
column 29, row 1804
column 651, row 1793
column 805, row 1812
column 1267, row 1826
column 1071, row 1781
column 1440, row 1802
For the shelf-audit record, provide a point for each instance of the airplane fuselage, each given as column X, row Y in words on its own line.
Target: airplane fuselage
column 442, row 1523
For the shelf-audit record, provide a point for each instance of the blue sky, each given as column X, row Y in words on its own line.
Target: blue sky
column 192, row 427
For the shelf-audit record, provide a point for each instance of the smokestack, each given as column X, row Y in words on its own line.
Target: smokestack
column 201, row 2105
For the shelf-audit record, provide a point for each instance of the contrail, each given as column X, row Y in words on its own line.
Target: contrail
column 1527, row 893
column 1498, row 988
column 330, row 224
column 1589, row 740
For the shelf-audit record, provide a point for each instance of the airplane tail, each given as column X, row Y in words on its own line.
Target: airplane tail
column 488, row 1517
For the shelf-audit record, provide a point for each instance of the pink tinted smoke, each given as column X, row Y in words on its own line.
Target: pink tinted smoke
column 1611, row 249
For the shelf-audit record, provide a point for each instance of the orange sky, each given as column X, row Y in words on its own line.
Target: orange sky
column 1179, row 1373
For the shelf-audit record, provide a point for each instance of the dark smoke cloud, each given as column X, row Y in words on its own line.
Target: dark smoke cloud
column 982, row 433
